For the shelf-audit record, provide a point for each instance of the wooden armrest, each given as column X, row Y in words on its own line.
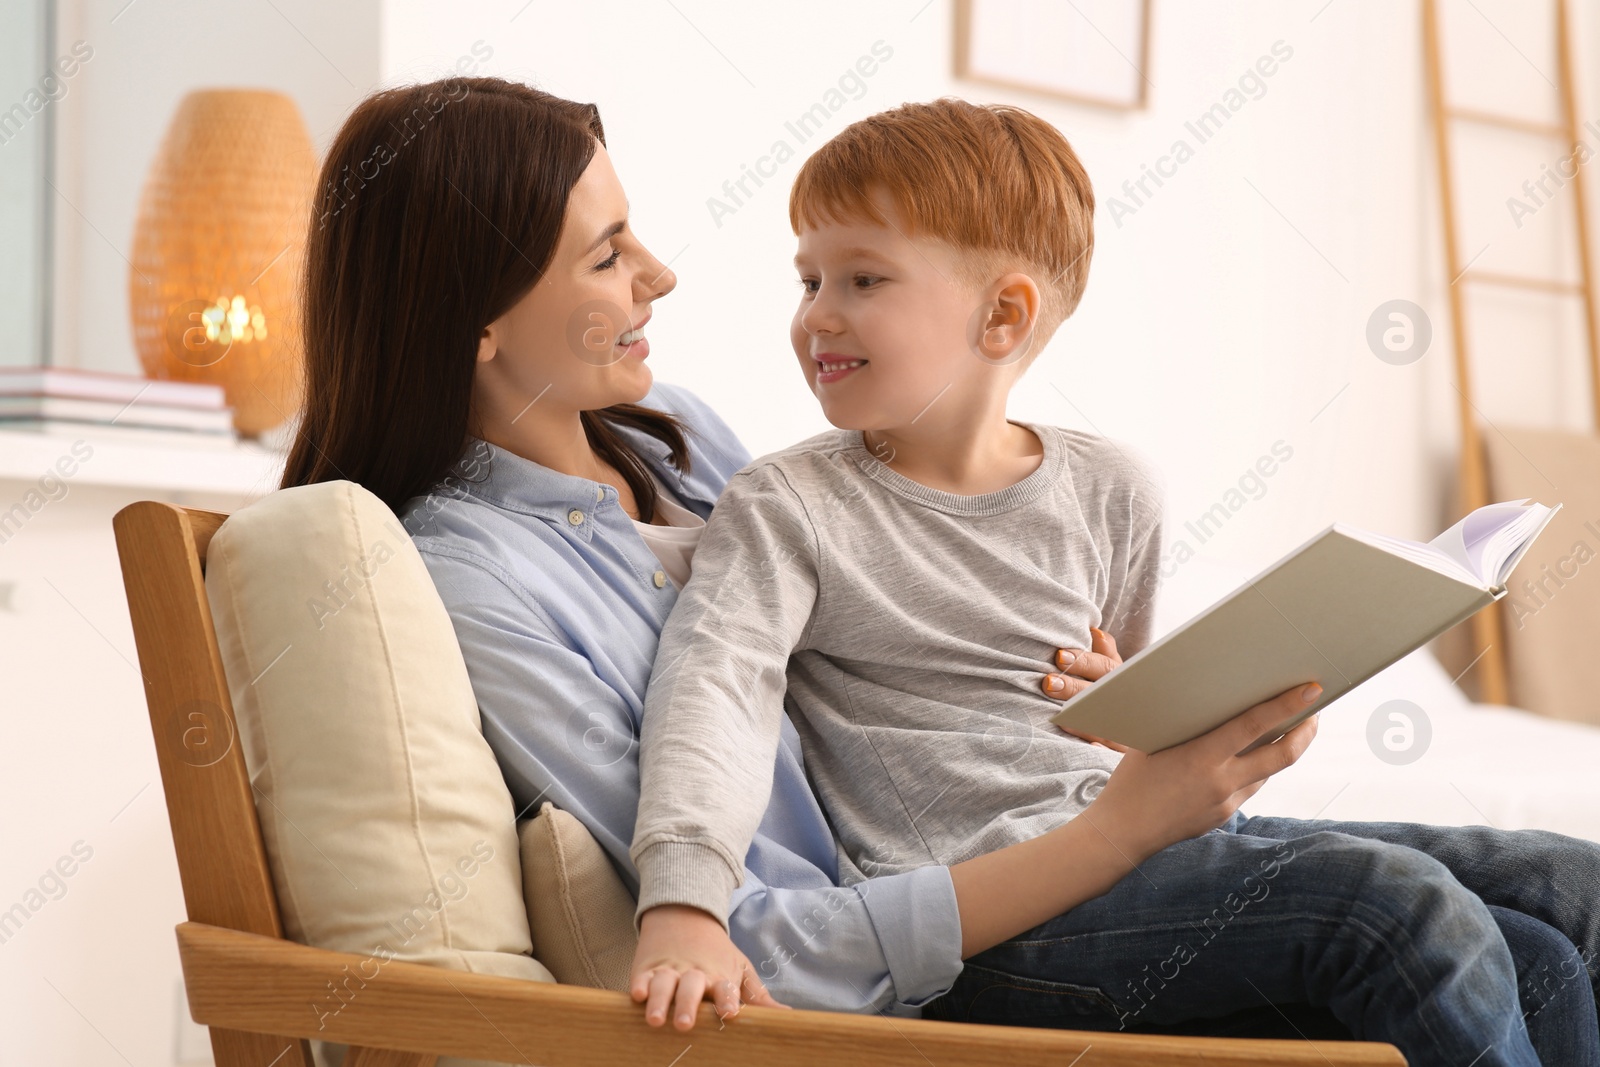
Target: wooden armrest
column 265, row 985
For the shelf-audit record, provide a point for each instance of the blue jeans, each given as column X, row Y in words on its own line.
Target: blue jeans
column 1458, row 944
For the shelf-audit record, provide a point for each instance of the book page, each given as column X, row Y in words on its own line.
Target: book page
column 1468, row 542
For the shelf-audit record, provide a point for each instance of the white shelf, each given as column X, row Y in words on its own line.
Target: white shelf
column 244, row 468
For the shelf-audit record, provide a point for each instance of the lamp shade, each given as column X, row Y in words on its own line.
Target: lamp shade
column 218, row 249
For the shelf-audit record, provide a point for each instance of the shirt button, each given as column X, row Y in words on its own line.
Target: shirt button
column 660, row 579
column 575, row 517
column 599, row 494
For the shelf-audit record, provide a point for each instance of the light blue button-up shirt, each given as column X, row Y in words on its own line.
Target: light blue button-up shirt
column 558, row 605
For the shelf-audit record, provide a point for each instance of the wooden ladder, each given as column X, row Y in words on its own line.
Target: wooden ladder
column 1474, row 475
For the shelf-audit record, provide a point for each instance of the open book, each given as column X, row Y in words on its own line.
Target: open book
column 1336, row 610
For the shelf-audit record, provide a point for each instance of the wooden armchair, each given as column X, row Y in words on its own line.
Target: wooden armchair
column 257, row 991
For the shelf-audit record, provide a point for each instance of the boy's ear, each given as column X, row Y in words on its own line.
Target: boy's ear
column 1006, row 319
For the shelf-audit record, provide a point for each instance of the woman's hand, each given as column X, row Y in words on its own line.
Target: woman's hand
column 1153, row 800
column 685, row 955
column 1081, row 669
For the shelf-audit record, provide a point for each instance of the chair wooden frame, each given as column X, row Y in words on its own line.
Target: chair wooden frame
column 264, row 997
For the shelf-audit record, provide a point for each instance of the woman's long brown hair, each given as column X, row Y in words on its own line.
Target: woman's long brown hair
column 438, row 207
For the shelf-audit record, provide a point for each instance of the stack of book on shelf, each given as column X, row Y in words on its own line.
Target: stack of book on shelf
column 97, row 405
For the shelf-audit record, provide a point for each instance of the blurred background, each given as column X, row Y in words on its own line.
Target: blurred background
column 1286, row 289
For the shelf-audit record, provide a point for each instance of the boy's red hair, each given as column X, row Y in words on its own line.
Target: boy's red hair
column 993, row 180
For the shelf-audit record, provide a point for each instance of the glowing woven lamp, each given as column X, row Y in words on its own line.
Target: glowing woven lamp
column 217, row 251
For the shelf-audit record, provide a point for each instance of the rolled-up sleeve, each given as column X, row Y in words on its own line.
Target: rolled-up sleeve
column 890, row 943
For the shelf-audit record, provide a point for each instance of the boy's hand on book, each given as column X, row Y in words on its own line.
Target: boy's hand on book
column 1153, row 800
column 1079, row 670
column 684, row 956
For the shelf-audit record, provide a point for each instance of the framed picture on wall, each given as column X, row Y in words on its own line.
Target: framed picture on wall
column 1085, row 51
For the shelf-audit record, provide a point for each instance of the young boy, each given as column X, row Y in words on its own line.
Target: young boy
column 893, row 584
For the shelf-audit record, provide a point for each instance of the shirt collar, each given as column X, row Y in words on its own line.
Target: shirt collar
column 509, row 481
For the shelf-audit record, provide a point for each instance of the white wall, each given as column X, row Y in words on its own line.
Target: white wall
column 93, row 978
column 25, row 98
column 1228, row 310
column 1224, row 314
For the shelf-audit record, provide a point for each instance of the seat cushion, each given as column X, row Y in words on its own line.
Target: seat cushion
column 580, row 912
column 388, row 827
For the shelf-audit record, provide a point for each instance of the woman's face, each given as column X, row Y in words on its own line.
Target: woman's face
column 575, row 341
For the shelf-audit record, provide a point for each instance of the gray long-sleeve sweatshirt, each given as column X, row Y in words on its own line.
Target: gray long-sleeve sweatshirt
column 905, row 629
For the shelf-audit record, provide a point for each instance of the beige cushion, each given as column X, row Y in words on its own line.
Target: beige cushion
column 1551, row 612
column 387, row 824
column 580, row 911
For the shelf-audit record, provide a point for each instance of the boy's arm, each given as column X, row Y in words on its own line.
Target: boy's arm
column 1135, row 525
column 714, row 704
column 1128, row 614
column 889, row 944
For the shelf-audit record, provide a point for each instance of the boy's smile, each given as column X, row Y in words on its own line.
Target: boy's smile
column 833, row 367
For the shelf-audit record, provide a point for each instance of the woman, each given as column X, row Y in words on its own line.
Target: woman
column 475, row 303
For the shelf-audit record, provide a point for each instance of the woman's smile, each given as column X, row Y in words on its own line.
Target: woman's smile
column 632, row 342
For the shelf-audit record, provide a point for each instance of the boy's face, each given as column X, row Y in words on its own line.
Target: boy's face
column 881, row 329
